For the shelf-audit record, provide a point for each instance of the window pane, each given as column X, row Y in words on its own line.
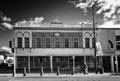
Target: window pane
column 66, row 42
column 75, row 42
column 118, row 42
column 26, row 42
column 87, row 42
column 38, row 42
column 90, row 61
column 57, row 42
column 93, row 45
column 47, row 42
column 19, row 42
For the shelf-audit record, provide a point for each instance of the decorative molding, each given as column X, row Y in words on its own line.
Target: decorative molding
column 57, row 34
column 19, row 32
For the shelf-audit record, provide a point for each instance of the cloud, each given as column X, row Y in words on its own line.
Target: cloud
column 83, row 6
column 109, row 8
column 7, row 49
column 36, row 20
column 6, row 19
column 7, row 25
column 109, row 24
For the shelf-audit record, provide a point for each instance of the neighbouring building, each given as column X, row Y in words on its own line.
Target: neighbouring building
column 66, row 46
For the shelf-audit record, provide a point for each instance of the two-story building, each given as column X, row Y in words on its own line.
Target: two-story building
column 58, row 45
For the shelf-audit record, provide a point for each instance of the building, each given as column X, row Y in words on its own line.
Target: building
column 65, row 46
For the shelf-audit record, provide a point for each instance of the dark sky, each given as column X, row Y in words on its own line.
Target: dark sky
column 18, row 10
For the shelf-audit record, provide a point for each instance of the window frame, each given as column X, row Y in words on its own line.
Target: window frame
column 68, row 42
column 19, row 44
column 74, row 42
column 88, row 42
column 28, row 42
column 55, row 42
column 36, row 44
column 46, row 42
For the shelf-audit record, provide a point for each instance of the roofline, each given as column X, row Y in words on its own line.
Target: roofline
column 53, row 28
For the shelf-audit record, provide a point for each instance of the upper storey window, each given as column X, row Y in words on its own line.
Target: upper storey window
column 87, row 42
column 118, row 42
column 19, row 42
column 66, row 43
column 38, row 42
column 57, row 42
column 48, row 43
column 26, row 42
column 75, row 41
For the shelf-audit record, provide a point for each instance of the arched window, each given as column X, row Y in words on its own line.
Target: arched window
column 19, row 36
column 26, row 39
column 87, row 39
column 76, row 41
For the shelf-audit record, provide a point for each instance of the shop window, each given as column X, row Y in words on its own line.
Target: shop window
column 90, row 61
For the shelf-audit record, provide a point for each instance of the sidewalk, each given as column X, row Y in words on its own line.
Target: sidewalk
column 51, row 75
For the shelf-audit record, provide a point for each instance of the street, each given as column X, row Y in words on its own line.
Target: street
column 95, row 77
column 5, row 78
column 81, row 78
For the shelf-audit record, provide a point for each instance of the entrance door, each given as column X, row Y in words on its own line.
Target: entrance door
column 107, row 63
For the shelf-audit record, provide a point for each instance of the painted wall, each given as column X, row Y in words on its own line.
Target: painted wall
column 106, row 35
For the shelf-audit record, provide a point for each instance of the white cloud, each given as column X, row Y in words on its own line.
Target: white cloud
column 83, row 6
column 6, row 19
column 7, row 25
column 109, row 24
column 36, row 20
column 109, row 8
column 7, row 49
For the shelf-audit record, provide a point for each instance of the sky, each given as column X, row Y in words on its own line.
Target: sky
column 51, row 10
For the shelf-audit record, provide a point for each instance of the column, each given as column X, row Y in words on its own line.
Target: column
column 23, row 42
column 30, row 40
column 73, row 63
column 15, row 62
column 51, row 64
column 116, row 63
column 90, row 42
column 83, row 40
column 84, row 59
column 28, row 64
column 112, row 63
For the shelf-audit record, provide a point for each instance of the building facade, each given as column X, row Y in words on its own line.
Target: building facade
column 58, row 45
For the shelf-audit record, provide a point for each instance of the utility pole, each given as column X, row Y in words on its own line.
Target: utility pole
column 93, row 18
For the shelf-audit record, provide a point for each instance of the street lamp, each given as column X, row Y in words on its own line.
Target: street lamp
column 93, row 18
